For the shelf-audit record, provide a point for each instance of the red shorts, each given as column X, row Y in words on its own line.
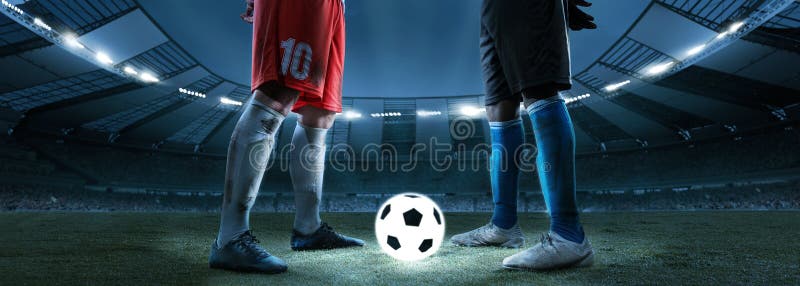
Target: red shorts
column 300, row 44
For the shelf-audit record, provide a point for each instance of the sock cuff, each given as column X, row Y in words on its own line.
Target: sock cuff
column 542, row 103
column 257, row 104
column 313, row 135
column 506, row 124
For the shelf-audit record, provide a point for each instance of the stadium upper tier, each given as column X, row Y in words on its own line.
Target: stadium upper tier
column 134, row 73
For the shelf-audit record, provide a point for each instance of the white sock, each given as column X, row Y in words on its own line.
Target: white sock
column 307, row 166
column 248, row 153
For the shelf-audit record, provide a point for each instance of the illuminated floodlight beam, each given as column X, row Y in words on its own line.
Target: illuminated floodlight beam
column 130, row 71
column 103, row 58
column 471, row 110
column 352, row 115
column 228, row 101
column 13, row 7
column 735, row 27
column 192, row 93
column 425, row 113
column 695, row 50
column 40, row 23
column 73, row 42
column 574, row 99
column 616, row 86
column 386, row 114
column 731, row 30
column 660, row 68
column 148, row 77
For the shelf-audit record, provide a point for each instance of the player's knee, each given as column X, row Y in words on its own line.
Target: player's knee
column 505, row 110
column 316, row 117
column 276, row 97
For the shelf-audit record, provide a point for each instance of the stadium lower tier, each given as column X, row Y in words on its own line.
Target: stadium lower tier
column 770, row 155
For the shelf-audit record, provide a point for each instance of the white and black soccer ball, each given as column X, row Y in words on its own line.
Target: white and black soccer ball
column 409, row 227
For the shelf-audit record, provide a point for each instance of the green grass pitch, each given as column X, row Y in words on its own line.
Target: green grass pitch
column 672, row 248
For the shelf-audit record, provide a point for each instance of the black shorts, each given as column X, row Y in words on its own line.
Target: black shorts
column 523, row 45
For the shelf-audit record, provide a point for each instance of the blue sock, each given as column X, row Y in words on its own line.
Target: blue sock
column 555, row 163
column 507, row 137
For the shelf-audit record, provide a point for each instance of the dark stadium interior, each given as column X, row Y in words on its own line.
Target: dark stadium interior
column 679, row 117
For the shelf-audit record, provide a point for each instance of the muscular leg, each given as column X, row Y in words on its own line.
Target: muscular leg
column 507, row 137
column 307, row 166
column 555, row 141
column 248, row 153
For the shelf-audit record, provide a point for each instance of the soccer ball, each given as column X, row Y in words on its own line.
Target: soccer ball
column 409, row 227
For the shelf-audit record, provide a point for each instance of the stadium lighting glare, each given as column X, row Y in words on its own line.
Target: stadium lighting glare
column 695, row 50
column 722, row 35
column 426, row 113
column 13, row 7
column 471, row 110
column 574, row 99
column 73, row 42
column 40, row 23
column 352, row 115
column 130, row 71
column 386, row 114
column 103, row 58
column 148, row 77
column 616, row 86
column 735, row 27
column 192, row 93
column 228, row 101
column 661, row 68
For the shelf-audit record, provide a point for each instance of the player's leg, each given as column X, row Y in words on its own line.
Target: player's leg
column 248, row 153
column 251, row 143
column 555, row 142
column 317, row 107
column 534, row 52
column 502, row 110
column 307, row 168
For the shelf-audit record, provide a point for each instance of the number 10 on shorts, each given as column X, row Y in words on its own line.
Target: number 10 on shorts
column 297, row 56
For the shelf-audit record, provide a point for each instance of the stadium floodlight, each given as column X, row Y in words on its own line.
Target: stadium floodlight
column 148, row 77
column 722, row 35
column 386, row 114
column 735, row 27
column 574, row 99
column 616, row 86
column 695, row 50
column 42, row 24
column 13, row 7
column 192, row 93
column 471, row 110
column 426, row 113
column 103, row 58
column 228, row 101
column 660, row 68
column 73, row 42
column 352, row 115
column 130, row 71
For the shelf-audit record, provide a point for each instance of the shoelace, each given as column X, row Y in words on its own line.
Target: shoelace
column 251, row 244
column 546, row 239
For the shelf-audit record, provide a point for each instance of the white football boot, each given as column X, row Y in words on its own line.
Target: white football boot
column 491, row 235
column 552, row 252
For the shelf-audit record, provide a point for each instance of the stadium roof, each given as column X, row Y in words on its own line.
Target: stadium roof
column 172, row 75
